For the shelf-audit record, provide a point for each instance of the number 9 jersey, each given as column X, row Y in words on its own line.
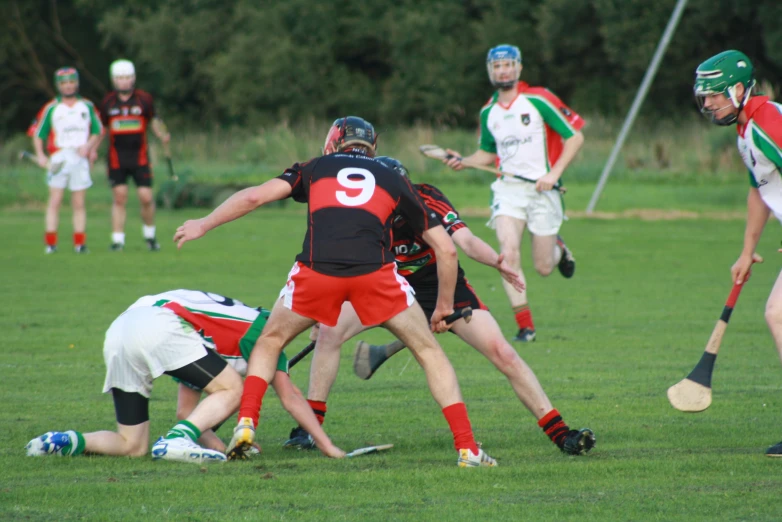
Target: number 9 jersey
column 352, row 203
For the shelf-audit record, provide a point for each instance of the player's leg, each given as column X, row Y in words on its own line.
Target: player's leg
column 52, row 217
column 774, row 320
column 146, row 198
column 545, row 217
column 484, row 334
column 411, row 328
column 79, row 220
column 324, row 369
column 510, row 231
column 119, row 191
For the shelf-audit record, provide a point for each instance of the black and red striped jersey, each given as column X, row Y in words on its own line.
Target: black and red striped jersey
column 352, row 200
column 415, row 259
column 126, row 123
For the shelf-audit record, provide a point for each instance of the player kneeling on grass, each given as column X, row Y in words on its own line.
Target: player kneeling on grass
column 723, row 90
column 417, row 263
column 170, row 333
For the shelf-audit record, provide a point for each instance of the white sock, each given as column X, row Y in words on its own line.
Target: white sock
column 118, row 237
column 148, row 231
column 557, row 253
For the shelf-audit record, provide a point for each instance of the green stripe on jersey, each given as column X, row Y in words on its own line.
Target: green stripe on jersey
column 487, row 142
column 766, row 145
column 553, row 118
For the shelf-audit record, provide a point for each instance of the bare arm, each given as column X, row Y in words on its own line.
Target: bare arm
column 757, row 216
column 447, row 264
column 238, row 205
column 160, row 130
column 39, row 153
column 294, row 403
column 571, row 147
column 477, row 249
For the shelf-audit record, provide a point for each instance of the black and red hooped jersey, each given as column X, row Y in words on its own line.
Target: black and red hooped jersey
column 353, row 200
column 126, row 123
column 415, row 259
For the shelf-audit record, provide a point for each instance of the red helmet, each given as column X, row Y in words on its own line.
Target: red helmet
column 349, row 132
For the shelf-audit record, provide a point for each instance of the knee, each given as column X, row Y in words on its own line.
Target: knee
column 329, row 340
column 503, row 355
column 773, row 313
column 543, row 268
column 120, row 199
column 512, row 255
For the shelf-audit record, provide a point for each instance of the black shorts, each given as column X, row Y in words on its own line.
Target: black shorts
column 464, row 296
column 142, row 176
column 132, row 408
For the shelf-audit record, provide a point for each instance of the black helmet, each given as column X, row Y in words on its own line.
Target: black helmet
column 348, row 132
column 395, row 165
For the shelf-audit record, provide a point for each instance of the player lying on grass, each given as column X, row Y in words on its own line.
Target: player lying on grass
column 177, row 333
column 417, row 263
column 347, row 256
column 723, row 90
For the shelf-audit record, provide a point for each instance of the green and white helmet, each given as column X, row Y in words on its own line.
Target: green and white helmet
column 721, row 74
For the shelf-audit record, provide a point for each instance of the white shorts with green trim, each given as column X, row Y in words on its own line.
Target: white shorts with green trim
column 145, row 342
column 542, row 211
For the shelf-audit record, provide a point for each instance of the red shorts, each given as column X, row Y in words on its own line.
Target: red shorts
column 376, row 297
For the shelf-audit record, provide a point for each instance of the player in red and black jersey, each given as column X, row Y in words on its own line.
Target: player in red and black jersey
column 347, row 256
column 127, row 112
column 417, row 262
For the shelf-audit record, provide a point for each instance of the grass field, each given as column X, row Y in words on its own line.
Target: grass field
column 633, row 321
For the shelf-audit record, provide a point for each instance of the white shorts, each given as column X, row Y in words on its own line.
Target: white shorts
column 542, row 211
column 71, row 171
column 145, row 342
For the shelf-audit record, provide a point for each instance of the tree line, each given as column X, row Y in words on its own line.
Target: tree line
column 250, row 62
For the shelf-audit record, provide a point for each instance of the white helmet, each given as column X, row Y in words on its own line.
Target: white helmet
column 122, row 68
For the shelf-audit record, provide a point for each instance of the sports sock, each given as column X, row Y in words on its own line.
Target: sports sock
column 319, row 409
column 523, row 316
column 184, row 429
column 558, row 251
column 554, row 427
column 77, row 442
column 252, row 398
column 118, row 237
column 79, row 238
column 148, row 231
column 456, row 415
column 50, row 238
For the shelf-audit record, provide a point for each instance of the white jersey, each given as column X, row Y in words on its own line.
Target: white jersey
column 760, row 146
column 527, row 135
column 71, row 125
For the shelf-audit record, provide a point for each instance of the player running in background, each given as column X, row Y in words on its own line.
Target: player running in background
column 530, row 133
column 179, row 333
column 347, row 256
column 418, row 264
column 76, row 129
column 723, row 90
column 126, row 113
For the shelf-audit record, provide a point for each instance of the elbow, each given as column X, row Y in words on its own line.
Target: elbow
column 449, row 253
column 578, row 139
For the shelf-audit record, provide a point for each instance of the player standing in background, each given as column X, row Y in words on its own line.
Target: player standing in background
column 531, row 134
column 126, row 113
column 71, row 130
column 417, row 262
column 352, row 199
column 177, row 333
column 723, row 90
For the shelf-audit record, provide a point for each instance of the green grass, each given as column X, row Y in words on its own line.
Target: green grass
column 633, row 321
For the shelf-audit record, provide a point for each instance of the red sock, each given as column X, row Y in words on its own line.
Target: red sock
column 50, row 238
column 523, row 317
column 79, row 238
column 554, row 426
column 252, row 398
column 319, row 409
column 456, row 415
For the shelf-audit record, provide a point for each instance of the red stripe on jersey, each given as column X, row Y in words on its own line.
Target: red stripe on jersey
column 438, row 206
column 553, row 139
column 767, row 116
column 327, row 192
column 224, row 331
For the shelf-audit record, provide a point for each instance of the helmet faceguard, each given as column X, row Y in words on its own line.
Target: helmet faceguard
column 123, row 76
column 351, row 134
column 498, row 60
column 722, row 74
column 395, row 165
column 66, row 74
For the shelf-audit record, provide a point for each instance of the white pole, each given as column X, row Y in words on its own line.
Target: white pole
column 639, row 98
